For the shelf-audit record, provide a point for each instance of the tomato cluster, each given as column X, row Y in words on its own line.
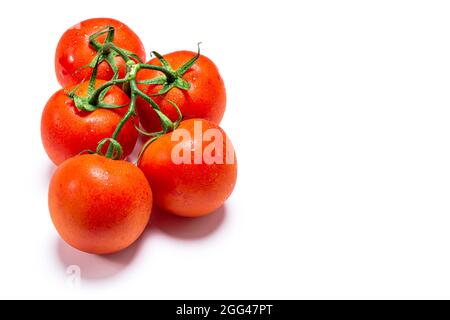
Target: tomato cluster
column 100, row 202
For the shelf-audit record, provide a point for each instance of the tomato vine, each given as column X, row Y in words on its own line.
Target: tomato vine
column 107, row 52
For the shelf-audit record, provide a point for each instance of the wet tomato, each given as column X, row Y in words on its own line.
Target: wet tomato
column 74, row 51
column 206, row 97
column 99, row 205
column 193, row 170
column 66, row 131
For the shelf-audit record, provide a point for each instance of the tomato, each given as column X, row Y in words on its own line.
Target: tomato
column 195, row 186
column 205, row 99
column 99, row 205
column 66, row 131
column 74, row 51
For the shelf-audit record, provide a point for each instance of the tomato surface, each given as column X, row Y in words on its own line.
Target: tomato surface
column 66, row 131
column 99, row 205
column 74, row 51
column 191, row 188
column 205, row 99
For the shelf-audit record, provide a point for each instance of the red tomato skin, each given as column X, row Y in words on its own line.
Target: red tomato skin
column 66, row 131
column 188, row 190
column 205, row 99
column 74, row 51
column 99, row 205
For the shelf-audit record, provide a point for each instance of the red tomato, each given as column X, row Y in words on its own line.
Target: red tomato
column 205, row 99
column 194, row 187
column 99, row 205
column 74, row 51
column 66, row 131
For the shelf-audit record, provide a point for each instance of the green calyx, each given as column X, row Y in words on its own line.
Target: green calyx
column 171, row 78
column 108, row 52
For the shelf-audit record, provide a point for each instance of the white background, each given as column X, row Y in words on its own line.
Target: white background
column 339, row 112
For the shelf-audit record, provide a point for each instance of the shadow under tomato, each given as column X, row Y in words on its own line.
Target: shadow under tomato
column 188, row 228
column 102, row 267
column 96, row 267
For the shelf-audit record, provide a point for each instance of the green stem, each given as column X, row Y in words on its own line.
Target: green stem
column 107, row 52
column 109, row 38
column 120, row 52
column 128, row 115
column 171, row 76
column 97, row 46
column 133, row 69
column 93, row 99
